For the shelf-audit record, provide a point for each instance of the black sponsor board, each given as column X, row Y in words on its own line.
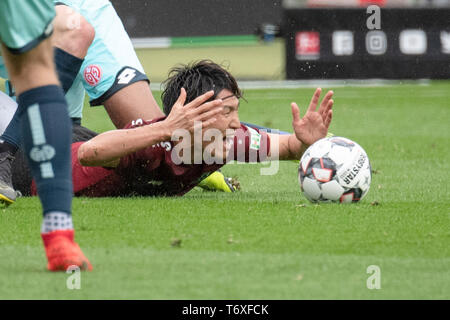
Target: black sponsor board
column 342, row 43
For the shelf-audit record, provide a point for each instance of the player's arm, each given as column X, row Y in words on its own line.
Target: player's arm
column 107, row 148
column 307, row 130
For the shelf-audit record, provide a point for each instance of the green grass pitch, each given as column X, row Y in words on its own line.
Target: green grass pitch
column 267, row 241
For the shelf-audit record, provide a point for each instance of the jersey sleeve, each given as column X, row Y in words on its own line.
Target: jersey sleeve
column 149, row 158
column 250, row 145
column 85, row 177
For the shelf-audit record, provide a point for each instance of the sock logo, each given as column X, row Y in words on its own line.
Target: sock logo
column 92, row 74
column 42, row 153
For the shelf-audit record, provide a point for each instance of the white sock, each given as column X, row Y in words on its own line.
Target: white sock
column 56, row 220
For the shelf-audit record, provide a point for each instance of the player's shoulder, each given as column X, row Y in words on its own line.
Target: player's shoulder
column 250, row 130
column 247, row 131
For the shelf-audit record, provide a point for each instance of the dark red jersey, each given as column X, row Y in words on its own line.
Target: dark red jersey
column 152, row 171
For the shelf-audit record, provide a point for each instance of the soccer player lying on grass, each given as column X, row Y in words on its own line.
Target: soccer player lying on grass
column 156, row 158
column 100, row 61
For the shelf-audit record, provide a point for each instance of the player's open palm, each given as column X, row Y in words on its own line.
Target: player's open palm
column 314, row 124
column 183, row 116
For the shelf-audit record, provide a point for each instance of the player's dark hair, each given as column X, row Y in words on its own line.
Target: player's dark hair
column 197, row 78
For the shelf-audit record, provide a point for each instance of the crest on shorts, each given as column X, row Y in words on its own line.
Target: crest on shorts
column 92, row 74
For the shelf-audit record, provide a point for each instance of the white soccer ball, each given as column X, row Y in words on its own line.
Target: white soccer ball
column 335, row 169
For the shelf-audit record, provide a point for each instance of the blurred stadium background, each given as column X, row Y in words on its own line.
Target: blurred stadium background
column 293, row 39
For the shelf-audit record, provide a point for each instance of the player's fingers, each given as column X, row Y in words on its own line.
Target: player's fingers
column 328, row 118
column 324, row 105
column 314, row 100
column 330, row 104
column 181, row 98
column 208, row 106
column 327, row 108
column 200, row 99
column 295, row 112
column 323, row 110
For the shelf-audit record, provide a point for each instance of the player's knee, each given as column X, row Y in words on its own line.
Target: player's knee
column 85, row 35
column 73, row 33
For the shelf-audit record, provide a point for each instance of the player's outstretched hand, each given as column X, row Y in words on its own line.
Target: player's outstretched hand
column 314, row 124
column 183, row 116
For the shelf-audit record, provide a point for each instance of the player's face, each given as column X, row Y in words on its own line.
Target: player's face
column 226, row 123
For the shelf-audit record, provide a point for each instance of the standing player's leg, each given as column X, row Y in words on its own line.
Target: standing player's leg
column 112, row 73
column 44, row 122
column 132, row 102
column 71, row 39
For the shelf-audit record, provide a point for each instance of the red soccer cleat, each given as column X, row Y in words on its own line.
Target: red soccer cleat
column 63, row 252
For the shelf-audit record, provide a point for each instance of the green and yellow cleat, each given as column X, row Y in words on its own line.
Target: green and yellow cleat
column 7, row 195
column 218, row 182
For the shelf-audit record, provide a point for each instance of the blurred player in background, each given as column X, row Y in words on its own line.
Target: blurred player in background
column 124, row 163
column 25, row 31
